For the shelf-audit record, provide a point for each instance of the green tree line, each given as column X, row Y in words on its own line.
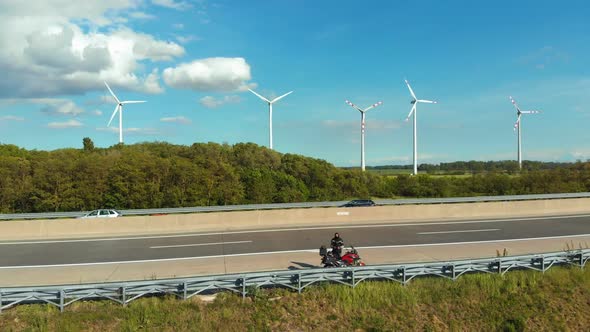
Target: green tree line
column 159, row 175
column 475, row 166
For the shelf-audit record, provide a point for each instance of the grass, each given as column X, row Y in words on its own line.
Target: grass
column 558, row 300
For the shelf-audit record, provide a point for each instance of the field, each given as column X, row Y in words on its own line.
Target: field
column 558, row 300
column 458, row 175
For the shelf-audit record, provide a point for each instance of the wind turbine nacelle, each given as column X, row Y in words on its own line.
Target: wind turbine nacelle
column 413, row 102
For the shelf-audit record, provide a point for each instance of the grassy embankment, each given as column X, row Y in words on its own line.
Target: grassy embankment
column 555, row 301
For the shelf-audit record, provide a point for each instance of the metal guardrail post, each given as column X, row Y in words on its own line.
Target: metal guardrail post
column 353, row 278
column 1, row 305
column 62, row 296
column 299, row 289
column 184, row 290
column 244, row 287
column 124, row 296
column 404, row 275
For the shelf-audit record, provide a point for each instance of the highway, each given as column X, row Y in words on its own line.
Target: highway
column 224, row 244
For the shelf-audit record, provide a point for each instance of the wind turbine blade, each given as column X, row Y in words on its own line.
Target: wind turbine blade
column 412, row 111
column 516, row 124
column 133, row 101
column 353, row 105
column 530, row 112
column 411, row 91
column 113, row 116
column 112, row 93
column 259, row 96
column 281, row 97
column 374, row 105
column 426, row 101
column 514, row 103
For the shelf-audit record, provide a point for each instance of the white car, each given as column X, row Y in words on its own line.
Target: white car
column 102, row 213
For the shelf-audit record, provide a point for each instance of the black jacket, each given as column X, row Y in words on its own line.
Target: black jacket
column 337, row 242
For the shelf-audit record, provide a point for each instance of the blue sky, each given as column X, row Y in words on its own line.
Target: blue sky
column 194, row 60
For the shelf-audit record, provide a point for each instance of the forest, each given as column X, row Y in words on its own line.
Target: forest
column 160, row 175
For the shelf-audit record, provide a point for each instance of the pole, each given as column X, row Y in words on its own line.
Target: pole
column 270, row 124
column 415, row 143
column 519, row 144
column 363, row 141
column 120, row 124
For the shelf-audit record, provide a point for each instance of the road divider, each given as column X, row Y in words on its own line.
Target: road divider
column 289, row 218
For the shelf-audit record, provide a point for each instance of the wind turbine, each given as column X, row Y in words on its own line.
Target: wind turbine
column 414, row 103
column 363, row 111
column 270, row 102
column 517, row 127
column 119, row 108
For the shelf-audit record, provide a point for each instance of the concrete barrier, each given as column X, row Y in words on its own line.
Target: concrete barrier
column 240, row 220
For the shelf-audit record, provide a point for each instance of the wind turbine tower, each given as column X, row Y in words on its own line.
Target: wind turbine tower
column 363, row 111
column 270, row 102
column 119, row 108
column 414, row 110
column 517, row 126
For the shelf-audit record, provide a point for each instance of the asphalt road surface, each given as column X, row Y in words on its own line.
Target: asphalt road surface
column 157, row 247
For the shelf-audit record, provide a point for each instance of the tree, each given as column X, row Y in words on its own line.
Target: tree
column 88, row 144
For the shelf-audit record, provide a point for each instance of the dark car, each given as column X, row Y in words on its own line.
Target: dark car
column 359, row 202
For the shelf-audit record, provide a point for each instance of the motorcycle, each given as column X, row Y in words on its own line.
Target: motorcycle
column 350, row 258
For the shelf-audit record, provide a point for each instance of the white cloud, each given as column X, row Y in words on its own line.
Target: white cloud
column 100, row 100
column 62, row 107
column 59, row 47
column 211, row 74
column 177, row 119
column 58, row 107
column 144, row 46
column 11, row 118
column 581, row 154
column 97, row 12
column 51, row 106
column 142, row 16
column 212, row 102
column 67, row 124
column 152, row 83
column 187, row 39
column 178, row 5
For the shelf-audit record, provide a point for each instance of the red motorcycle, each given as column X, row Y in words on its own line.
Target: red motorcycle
column 350, row 258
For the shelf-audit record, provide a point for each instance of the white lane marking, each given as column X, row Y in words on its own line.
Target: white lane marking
column 296, row 229
column 461, row 231
column 289, row 252
column 199, row 244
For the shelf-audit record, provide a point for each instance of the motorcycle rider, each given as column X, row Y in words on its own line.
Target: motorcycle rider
column 337, row 243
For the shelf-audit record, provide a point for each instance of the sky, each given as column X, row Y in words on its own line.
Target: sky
column 193, row 61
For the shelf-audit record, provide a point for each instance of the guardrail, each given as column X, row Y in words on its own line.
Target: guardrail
column 450, row 200
column 185, row 288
